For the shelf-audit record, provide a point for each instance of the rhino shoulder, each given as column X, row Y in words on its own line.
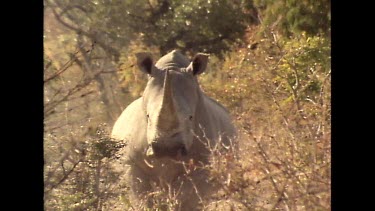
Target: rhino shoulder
column 129, row 121
column 219, row 117
column 212, row 101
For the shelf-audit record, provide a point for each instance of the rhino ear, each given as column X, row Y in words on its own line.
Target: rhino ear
column 144, row 62
column 199, row 64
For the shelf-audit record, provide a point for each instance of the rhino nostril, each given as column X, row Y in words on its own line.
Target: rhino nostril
column 155, row 147
column 175, row 135
column 183, row 150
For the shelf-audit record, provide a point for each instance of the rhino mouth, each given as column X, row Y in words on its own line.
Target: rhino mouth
column 160, row 150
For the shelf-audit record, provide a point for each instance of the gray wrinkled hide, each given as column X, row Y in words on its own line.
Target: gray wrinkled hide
column 210, row 120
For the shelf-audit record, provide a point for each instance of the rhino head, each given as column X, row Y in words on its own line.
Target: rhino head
column 170, row 101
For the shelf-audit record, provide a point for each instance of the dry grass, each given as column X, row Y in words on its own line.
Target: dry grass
column 266, row 172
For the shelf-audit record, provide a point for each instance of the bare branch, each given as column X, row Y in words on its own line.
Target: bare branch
column 66, row 174
column 92, row 36
column 268, row 172
column 68, row 64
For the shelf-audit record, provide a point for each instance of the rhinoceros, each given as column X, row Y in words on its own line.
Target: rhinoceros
column 172, row 124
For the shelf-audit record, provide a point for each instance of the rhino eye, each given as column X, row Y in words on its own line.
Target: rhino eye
column 148, row 116
column 190, row 117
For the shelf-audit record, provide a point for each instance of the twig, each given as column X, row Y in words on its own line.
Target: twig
column 268, row 172
column 92, row 36
column 68, row 64
column 66, row 175
column 280, row 196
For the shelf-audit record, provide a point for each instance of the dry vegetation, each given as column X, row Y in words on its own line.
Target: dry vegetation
column 282, row 162
column 283, row 116
column 277, row 90
column 282, row 108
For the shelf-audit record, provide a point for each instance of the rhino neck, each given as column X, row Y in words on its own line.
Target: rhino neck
column 167, row 118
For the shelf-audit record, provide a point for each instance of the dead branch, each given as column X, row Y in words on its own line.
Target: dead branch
column 92, row 36
column 268, row 172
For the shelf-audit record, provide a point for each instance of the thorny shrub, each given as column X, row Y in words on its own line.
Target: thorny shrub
column 83, row 178
column 279, row 96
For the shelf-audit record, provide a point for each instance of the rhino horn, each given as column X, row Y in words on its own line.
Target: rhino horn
column 168, row 119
